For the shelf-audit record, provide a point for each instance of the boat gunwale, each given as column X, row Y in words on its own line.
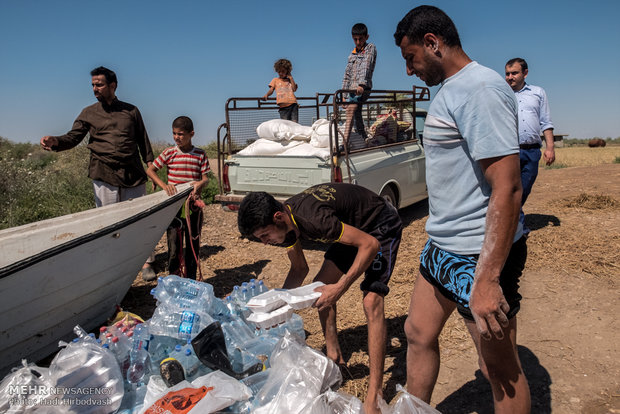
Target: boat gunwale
column 46, row 254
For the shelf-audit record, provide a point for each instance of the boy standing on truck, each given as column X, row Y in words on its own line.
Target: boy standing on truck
column 364, row 232
column 185, row 163
column 285, row 88
column 358, row 77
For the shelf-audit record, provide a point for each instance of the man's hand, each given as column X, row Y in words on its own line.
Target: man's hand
column 359, row 90
column 489, row 308
column 549, row 156
column 170, row 189
column 48, row 142
column 330, row 295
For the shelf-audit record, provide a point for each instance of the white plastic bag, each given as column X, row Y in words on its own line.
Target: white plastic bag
column 89, row 375
column 283, row 129
column 405, row 403
column 320, row 134
column 298, row 375
column 306, row 149
column 334, row 402
column 24, row 389
column 222, row 391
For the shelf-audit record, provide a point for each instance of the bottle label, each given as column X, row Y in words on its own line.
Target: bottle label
column 185, row 328
column 187, row 316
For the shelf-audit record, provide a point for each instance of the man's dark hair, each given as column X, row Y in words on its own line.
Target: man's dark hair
column 184, row 123
column 520, row 61
column 110, row 76
column 427, row 19
column 359, row 29
column 256, row 211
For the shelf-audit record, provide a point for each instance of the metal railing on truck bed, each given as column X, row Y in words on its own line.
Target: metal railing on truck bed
column 244, row 115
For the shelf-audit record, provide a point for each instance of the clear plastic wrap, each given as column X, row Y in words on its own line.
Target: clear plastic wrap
column 405, row 403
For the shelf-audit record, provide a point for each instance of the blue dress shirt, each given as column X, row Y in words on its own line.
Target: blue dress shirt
column 534, row 116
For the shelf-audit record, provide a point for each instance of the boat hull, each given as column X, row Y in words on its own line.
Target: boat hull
column 74, row 270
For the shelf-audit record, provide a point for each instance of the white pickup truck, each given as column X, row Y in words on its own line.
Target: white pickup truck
column 390, row 162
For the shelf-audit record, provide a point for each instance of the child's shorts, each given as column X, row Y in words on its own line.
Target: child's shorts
column 387, row 230
column 453, row 275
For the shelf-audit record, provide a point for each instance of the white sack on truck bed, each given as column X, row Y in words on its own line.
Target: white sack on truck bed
column 267, row 147
column 282, row 129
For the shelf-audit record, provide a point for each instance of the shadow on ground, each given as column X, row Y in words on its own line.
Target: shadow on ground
column 225, row 279
column 414, row 212
column 538, row 221
column 475, row 395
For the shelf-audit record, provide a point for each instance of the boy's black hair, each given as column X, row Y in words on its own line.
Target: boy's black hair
column 427, row 19
column 110, row 76
column 359, row 29
column 256, row 211
column 520, row 61
column 283, row 64
column 184, row 123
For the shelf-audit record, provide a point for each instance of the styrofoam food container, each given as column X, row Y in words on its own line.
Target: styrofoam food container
column 275, row 317
column 267, row 301
column 303, row 296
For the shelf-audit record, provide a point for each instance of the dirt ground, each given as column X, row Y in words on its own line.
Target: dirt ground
column 568, row 335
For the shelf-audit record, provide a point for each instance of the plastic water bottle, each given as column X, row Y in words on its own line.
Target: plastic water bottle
column 178, row 286
column 121, row 352
column 245, row 296
column 219, row 310
column 253, row 292
column 236, row 292
column 181, row 302
column 233, row 311
column 191, row 363
column 138, row 356
column 256, row 381
column 160, row 348
column 262, row 287
column 182, row 325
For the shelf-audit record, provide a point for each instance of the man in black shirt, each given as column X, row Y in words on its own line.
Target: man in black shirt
column 364, row 232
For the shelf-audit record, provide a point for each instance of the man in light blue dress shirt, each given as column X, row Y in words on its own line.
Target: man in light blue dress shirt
column 534, row 117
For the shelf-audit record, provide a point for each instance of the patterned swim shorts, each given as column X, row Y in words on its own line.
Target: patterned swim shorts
column 453, row 275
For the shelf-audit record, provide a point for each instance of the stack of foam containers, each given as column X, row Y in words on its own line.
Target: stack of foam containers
column 276, row 306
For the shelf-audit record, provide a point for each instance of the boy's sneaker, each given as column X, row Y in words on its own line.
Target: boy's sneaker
column 148, row 273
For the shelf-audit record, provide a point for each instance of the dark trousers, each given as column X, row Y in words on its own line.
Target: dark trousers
column 529, row 159
column 290, row 112
column 177, row 232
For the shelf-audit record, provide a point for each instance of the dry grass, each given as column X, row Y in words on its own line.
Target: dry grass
column 585, row 156
column 590, row 202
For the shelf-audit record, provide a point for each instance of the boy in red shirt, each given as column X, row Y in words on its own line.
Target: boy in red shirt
column 185, row 163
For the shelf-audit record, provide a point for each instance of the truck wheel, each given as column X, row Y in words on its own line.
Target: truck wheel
column 389, row 196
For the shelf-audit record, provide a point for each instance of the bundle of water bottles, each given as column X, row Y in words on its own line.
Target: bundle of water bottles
column 197, row 352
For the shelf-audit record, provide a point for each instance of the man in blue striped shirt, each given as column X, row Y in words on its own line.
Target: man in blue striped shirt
column 534, row 117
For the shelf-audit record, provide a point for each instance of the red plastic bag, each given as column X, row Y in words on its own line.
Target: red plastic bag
column 178, row 402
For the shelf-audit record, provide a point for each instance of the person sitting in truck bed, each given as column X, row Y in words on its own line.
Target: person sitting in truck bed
column 364, row 232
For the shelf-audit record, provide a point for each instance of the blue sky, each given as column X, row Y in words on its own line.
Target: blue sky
column 189, row 57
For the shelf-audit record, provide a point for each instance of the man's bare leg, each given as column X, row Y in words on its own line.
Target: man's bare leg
column 499, row 362
column 329, row 274
column 377, row 337
column 428, row 312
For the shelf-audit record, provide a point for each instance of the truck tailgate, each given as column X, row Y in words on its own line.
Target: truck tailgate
column 276, row 175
